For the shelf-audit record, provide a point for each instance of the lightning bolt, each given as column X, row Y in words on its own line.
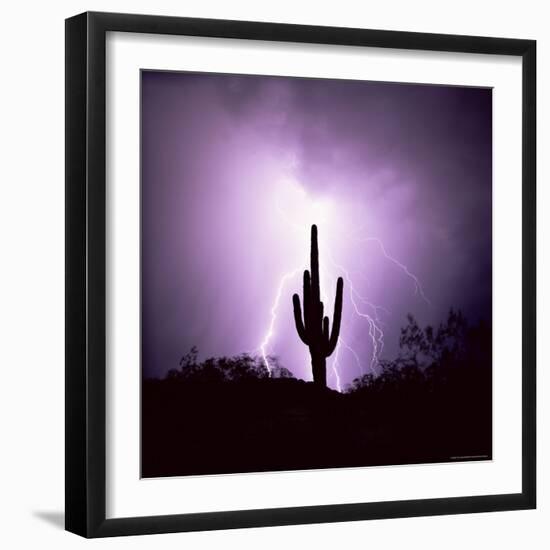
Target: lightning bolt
column 363, row 308
column 375, row 332
column 417, row 286
column 269, row 334
column 342, row 342
column 335, row 366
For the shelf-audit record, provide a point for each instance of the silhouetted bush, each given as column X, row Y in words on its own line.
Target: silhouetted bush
column 226, row 369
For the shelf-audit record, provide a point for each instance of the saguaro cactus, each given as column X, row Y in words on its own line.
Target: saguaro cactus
column 313, row 328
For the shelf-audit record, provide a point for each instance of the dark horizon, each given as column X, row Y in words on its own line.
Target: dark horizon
column 228, row 416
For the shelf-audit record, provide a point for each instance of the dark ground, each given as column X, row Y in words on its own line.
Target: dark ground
column 432, row 404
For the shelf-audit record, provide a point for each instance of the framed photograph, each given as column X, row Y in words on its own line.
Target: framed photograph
column 300, row 279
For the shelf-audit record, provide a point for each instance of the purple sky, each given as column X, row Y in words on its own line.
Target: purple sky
column 236, row 168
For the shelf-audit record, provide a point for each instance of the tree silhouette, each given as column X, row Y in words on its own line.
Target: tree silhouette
column 453, row 350
column 313, row 328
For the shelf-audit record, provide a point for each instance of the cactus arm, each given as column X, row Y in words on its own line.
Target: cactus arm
column 326, row 332
column 298, row 320
column 337, row 317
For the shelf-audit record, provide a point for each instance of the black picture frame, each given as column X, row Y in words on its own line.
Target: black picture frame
column 86, row 273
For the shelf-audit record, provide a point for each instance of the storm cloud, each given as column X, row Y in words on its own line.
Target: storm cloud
column 235, row 168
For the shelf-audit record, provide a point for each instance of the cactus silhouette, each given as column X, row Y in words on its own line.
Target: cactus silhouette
column 313, row 328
